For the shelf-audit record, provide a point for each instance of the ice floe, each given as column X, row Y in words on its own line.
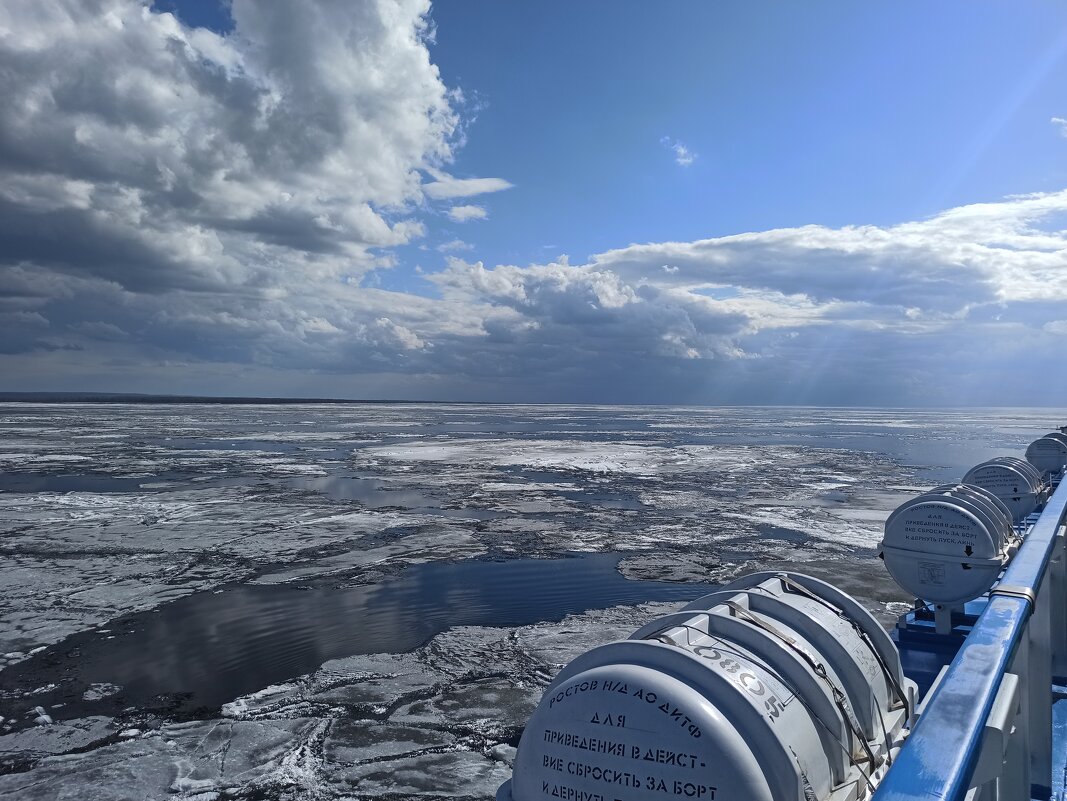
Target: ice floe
column 211, row 497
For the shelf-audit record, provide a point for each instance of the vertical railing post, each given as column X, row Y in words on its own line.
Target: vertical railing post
column 1058, row 607
column 1014, row 782
column 1017, row 770
column 1038, row 643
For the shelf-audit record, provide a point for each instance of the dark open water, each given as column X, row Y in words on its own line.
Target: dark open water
column 208, row 648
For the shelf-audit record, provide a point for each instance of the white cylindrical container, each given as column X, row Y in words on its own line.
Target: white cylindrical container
column 1019, row 488
column 1047, row 454
column 1022, row 464
column 948, row 545
column 776, row 688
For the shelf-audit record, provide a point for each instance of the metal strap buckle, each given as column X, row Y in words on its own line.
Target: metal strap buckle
column 1016, row 591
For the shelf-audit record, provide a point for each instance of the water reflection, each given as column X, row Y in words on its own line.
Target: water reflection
column 375, row 493
column 87, row 482
column 213, row 647
column 195, row 444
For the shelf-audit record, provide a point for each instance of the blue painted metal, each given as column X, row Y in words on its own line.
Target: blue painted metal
column 939, row 757
column 1029, row 566
column 923, row 652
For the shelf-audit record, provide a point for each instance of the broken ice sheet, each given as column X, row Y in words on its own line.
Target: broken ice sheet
column 29, row 745
column 438, row 723
column 174, row 501
column 100, row 690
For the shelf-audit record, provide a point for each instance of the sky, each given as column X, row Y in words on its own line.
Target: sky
column 675, row 202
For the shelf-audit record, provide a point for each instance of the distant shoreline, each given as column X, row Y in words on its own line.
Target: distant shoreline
column 119, row 397
column 238, row 400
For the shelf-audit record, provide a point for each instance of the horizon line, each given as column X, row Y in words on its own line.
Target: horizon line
column 56, row 397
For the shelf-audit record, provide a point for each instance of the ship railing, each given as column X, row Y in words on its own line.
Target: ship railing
column 985, row 729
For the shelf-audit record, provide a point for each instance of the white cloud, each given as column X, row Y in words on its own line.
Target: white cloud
column 157, row 156
column 983, row 253
column 1061, row 125
column 402, row 336
column 445, row 187
column 683, row 156
column 465, row 213
column 454, row 245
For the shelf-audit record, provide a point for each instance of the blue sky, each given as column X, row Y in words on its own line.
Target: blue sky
column 827, row 112
column 688, row 202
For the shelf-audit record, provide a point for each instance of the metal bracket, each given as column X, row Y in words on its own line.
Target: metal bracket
column 997, row 730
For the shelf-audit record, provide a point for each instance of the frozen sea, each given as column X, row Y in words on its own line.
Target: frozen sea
column 365, row 601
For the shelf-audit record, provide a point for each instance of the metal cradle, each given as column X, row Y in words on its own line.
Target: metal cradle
column 993, row 726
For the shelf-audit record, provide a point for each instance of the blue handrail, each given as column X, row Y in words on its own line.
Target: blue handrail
column 938, row 760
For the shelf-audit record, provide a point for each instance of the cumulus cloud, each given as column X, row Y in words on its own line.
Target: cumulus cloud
column 177, row 157
column 465, row 213
column 220, row 196
column 1061, row 125
column 683, row 156
column 907, row 313
column 577, row 306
